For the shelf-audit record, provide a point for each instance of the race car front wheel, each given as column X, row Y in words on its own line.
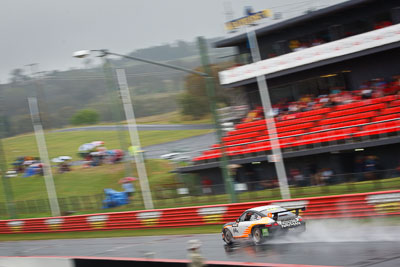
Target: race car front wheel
column 228, row 238
column 257, row 236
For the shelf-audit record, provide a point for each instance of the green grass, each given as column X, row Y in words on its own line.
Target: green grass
column 87, row 181
column 84, row 181
column 207, row 229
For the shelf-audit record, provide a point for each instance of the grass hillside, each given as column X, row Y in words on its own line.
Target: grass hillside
column 84, row 181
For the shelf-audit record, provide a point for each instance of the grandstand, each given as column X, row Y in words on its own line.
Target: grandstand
column 334, row 83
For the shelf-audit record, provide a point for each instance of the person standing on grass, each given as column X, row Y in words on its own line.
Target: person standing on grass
column 196, row 260
column 129, row 189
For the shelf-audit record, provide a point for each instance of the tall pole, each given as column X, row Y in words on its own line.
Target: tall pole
column 8, row 193
column 134, row 136
column 44, row 157
column 276, row 156
column 39, row 93
column 210, row 86
column 115, row 110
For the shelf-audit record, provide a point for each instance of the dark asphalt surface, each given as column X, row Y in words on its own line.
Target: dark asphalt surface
column 191, row 144
column 142, row 127
column 324, row 243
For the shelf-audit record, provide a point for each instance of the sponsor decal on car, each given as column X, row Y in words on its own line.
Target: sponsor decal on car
column 212, row 214
column 149, row 218
column 385, row 203
column 265, row 231
column 235, row 230
column 54, row 224
column 97, row 221
column 15, row 226
column 289, row 223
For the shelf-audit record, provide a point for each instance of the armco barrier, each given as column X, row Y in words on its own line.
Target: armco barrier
column 383, row 203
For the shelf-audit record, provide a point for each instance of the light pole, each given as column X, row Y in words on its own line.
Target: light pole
column 44, row 156
column 210, row 86
column 117, row 117
column 8, row 193
column 37, row 122
column 276, row 156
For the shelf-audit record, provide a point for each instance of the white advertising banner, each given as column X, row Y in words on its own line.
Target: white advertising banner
column 314, row 54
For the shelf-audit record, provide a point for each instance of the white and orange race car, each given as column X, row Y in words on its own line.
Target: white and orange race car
column 262, row 223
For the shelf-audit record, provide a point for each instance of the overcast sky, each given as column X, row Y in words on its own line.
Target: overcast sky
column 48, row 31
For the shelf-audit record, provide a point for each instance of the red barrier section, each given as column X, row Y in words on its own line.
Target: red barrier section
column 341, row 206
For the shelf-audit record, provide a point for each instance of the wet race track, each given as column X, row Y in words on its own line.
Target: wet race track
column 324, row 243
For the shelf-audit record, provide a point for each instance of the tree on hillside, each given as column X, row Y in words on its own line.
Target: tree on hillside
column 85, row 116
column 194, row 101
column 18, row 75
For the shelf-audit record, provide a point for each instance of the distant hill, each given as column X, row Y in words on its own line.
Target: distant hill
column 154, row 89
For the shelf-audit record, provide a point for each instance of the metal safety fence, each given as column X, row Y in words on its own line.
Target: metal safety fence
column 180, row 195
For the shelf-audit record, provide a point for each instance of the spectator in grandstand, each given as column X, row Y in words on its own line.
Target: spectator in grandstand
column 316, row 42
column 324, row 100
column 392, row 87
column 370, row 167
column 359, row 168
column 207, row 186
column 327, row 176
column 398, row 169
column 293, row 108
column 297, row 177
column 317, row 178
column 311, row 172
column 378, row 86
column 365, row 90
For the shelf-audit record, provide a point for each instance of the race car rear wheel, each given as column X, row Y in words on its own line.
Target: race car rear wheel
column 257, row 236
column 228, row 238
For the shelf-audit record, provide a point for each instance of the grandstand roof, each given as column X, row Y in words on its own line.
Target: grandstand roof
column 233, row 40
column 317, row 64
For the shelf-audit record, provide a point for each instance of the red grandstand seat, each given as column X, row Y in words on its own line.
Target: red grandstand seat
column 395, row 103
column 314, row 112
column 389, row 98
column 308, row 139
column 285, row 134
column 379, row 128
column 363, row 115
column 386, row 117
column 390, row 110
column 287, row 142
column 294, row 127
column 259, row 147
column 250, row 124
column 298, row 120
column 355, row 110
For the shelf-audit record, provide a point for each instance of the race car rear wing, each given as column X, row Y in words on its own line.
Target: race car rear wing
column 296, row 209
